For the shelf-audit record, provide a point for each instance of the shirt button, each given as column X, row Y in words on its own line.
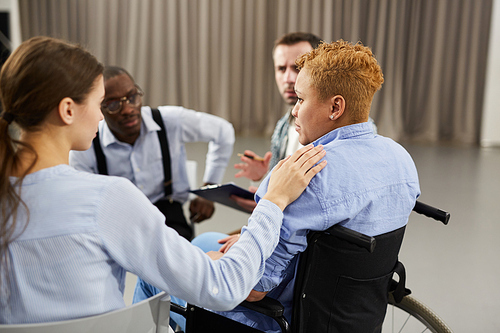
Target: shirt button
column 137, row 169
column 215, row 290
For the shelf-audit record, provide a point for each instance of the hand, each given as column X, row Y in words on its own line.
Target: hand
column 246, row 204
column 228, row 242
column 256, row 296
column 251, row 168
column 291, row 175
column 200, row 209
column 214, row 255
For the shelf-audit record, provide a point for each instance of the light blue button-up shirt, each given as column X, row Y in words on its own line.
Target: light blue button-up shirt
column 369, row 185
column 142, row 162
column 85, row 231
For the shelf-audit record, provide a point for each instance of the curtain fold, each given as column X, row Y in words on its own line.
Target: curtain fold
column 215, row 55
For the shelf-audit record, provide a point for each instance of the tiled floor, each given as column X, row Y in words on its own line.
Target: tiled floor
column 453, row 269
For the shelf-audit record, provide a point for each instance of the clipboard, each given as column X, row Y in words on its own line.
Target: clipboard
column 221, row 193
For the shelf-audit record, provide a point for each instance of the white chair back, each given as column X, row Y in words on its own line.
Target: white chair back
column 192, row 170
column 149, row 316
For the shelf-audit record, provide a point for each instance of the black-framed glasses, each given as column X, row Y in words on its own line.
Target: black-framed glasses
column 114, row 106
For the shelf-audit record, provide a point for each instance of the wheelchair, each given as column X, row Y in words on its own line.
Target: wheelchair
column 344, row 283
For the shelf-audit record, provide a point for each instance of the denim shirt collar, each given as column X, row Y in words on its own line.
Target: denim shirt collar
column 359, row 131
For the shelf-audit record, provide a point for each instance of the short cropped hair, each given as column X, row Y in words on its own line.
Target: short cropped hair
column 346, row 69
column 297, row 37
column 112, row 71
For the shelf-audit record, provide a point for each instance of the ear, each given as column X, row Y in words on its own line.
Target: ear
column 66, row 110
column 338, row 107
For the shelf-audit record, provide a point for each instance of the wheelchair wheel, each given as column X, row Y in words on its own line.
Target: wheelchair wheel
column 411, row 315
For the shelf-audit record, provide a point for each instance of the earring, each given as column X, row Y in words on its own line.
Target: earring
column 331, row 117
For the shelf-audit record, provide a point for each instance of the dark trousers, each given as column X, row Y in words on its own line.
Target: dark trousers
column 174, row 217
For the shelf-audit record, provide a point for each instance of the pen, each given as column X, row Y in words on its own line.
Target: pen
column 255, row 158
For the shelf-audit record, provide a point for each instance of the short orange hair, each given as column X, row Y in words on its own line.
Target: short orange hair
column 346, row 69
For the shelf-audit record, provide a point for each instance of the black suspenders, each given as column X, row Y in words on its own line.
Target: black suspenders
column 102, row 167
column 165, row 152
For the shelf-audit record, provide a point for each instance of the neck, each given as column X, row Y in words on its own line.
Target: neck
column 346, row 120
column 50, row 148
column 127, row 139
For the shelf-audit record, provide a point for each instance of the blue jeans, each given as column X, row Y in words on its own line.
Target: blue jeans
column 143, row 290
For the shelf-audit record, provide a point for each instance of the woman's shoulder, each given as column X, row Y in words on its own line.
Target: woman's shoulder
column 64, row 178
column 103, row 193
column 62, row 200
column 101, row 182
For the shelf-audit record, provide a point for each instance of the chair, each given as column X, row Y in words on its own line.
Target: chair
column 342, row 285
column 191, row 170
column 148, row 316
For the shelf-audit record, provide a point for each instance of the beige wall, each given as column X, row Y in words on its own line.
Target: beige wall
column 490, row 131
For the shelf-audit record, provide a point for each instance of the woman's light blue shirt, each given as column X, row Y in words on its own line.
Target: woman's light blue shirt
column 85, row 231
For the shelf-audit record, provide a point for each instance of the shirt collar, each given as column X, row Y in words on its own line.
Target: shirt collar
column 360, row 131
column 147, row 125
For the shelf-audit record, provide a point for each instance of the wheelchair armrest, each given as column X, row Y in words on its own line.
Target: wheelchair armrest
column 267, row 306
column 178, row 309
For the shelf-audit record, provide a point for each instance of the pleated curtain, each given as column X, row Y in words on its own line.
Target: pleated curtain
column 215, row 55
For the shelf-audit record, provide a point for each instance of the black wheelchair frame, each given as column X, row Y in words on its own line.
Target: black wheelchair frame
column 373, row 259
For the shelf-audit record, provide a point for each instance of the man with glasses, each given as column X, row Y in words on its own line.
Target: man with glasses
column 129, row 144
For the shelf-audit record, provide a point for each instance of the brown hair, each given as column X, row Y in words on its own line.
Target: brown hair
column 34, row 79
column 346, row 69
column 293, row 38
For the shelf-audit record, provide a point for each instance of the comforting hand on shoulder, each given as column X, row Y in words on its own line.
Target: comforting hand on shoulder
column 291, row 175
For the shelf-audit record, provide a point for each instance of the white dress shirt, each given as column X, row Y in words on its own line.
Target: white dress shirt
column 142, row 163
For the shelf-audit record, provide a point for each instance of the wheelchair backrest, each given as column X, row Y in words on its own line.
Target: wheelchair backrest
column 342, row 286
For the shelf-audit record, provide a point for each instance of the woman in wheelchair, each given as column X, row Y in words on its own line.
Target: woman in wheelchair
column 67, row 237
column 369, row 185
